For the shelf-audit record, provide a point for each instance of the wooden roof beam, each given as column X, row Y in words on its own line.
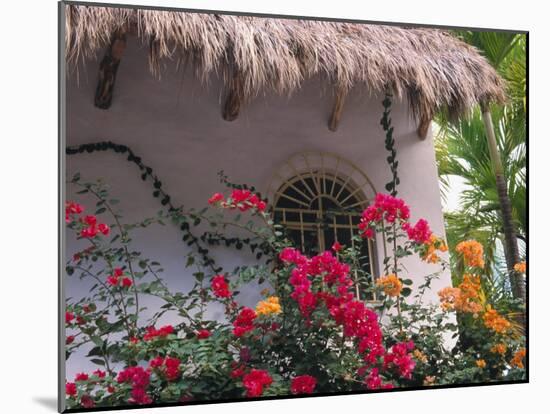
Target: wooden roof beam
column 108, row 69
column 339, row 100
column 234, row 97
column 423, row 127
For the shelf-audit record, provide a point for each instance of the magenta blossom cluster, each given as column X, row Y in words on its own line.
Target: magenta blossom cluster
column 358, row 322
column 389, row 209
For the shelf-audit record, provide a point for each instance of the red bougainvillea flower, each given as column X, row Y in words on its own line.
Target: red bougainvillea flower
column 290, row 255
column 244, row 322
column 80, row 320
column 237, row 372
column 220, row 287
column 239, row 199
column 303, row 384
column 385, row 207
column 139, row 396
column 72, row 208
column 89, row 232
column 99, row 373
column 93, row 228
column 374, row 382
column 401, row 358
column 69, row 316
column 216, row 198
column 172, row 368
column 116, row 279
column 112, row 280
column 419, row 233
column 156, row 362
column 90, row 220
column 163, row 332
column 126, row 282
column 81, row 377
column 110, row 389
column 87, row 402
column 104, row 229
column 70, row 389
column 168, row 367
column 336, row 247
column 203, row 334
column 69, row 340
column 255, row 382
column 139, row 378
column 358, row 322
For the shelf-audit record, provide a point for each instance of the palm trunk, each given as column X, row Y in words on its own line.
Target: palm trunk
column 511, row 251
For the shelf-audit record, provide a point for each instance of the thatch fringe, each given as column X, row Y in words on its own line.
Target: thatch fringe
column 430, row 67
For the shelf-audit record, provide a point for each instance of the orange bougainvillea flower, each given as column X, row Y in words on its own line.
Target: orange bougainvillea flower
column 431, row 247
column 420, row 356
column 472, row 251
column 481, row 363
column 448, row 297
column 269, row 306
column 390, row 284
column 517, row 359
column 494, row 321
column 499, row 349
column 520, row 267
column 464, row 298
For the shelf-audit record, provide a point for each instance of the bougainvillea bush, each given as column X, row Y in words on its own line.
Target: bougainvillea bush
column 313, row 331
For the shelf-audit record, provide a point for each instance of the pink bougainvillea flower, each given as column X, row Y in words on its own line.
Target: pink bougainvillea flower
column 303, row 384
column 336, row 247
column 419, row 233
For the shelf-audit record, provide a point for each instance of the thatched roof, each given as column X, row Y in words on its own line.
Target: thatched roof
column 430, row 67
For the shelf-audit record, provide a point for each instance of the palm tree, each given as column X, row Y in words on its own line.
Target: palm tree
column 488, row 152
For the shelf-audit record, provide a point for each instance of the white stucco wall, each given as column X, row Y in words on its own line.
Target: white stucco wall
column 175, row 124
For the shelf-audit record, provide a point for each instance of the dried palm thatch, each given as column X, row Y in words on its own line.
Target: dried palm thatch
column 430, row 67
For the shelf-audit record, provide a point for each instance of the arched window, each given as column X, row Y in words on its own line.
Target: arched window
column 318, row 198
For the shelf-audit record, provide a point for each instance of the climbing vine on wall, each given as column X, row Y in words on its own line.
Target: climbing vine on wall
column 391, row 186
column 186, row 220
